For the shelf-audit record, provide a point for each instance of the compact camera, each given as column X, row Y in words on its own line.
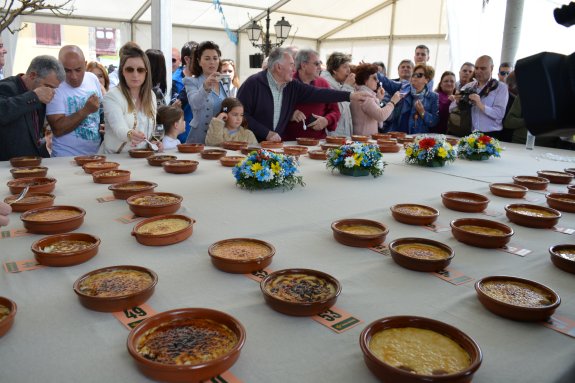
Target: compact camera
column 224, row 78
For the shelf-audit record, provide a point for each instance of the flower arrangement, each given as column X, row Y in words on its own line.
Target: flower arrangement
column 478, row 146
column 430, row 151
column 357, row 159
column 263, row 169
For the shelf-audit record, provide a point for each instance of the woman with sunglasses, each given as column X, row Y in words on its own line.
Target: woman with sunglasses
column 130, row 108
column 418, row 109
column 206, row 90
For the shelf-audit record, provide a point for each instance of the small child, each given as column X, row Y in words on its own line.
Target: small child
column 227, row 126
column 172, row 117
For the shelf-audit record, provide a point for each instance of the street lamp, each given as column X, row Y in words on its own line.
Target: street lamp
column 254, row 31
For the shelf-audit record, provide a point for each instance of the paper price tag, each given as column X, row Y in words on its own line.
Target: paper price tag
column 453, row 276
column 226, row 377
column 128, row 218
column 515, row 250
column 130, row 318
column 107, row 198
column 381, row 249
column 564, row 230
column 437, row 227
column 337, row 319
column 19, row 266
column 259, row 275
column 13, row 233
column 561, row 324
column 491, row 213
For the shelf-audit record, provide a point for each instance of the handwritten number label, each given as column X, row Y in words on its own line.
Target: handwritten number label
column 135, row 312
column 453, row 276
column 259, row 275
column 337, row 320
column 130, row 318
column 329, row 315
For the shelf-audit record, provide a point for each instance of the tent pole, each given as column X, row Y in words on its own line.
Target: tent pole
column 511, row 30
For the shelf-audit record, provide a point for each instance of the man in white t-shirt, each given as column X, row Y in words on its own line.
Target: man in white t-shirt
column 73, row 113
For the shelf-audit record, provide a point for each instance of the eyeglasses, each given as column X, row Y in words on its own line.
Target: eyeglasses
column 418, row 75
column 140, row 70
column 174, row 60
column 504, row 73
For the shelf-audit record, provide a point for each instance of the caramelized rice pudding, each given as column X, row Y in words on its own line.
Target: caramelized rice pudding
column 100, row 164
column 360, row 229
column 67, row 246
column 482, row 230
column 110, row 173
column 508, row 187
column 53, row 215
column 115, row 283
column 420, row 351
column 516, row 293
column 530, row 179
column 28, row 170
column 187, row 342
column 532, row 212
column 31, row 199
column 566, row 253
column 241, row 250
column 155, row 200
column 415, row 210
column 422, row 251
column 135, row 186
column 300, row 288
column 163, row 226
column 4, row 312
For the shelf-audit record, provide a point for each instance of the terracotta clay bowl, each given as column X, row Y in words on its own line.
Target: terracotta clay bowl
column 161, row 235
column 241, row 255
column 571, row 189
column 381, row 136
column 29, row 172
column 180, row 166
column 339, row 140
column 271, row 144
column 359, row 232
column 387, row 373
column 234, row 145
column 536, row 216
column 123, row 190
column 421, row 254
column 250, row 149
column 387, row 141
column 464, row 201
column 317, row 155
column 508, row 190
column 295, row 150
column 398, row 134
column 23, row 161
column 92, row 167
column 113, row 176
column 298, row 307
column 153, row 204
column 82, row 160
column 561, row 201
column 231, row 161
column 213, row 154
column 556, row 177
column 190, row 148
column 405, row 140
column 502, row 286
column 140, row 153
column 329, row 146
column 8, row 321
column 452, row 141
column 307, row 141
column 569, row 170
column 389, row 148
column 31, row 201
column 186, row 373
column 126, row 293
column 479, row 232
column 563, row 256
column 159, row 159
column 53, row 219
column 413, row 214
column 37, row 185
column 532, row 183
column 58, row 250
column 359, row 138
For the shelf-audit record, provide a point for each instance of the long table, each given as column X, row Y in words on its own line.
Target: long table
column 55, row 339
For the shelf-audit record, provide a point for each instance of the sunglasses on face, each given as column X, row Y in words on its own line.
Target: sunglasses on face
column 140, row 70
column 418, row 75
column 503, row 73
column 174, row 60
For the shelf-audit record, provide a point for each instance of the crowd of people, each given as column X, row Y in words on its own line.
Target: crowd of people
column 65, row 106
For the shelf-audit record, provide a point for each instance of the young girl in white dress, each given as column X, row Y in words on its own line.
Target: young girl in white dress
column 172, row 118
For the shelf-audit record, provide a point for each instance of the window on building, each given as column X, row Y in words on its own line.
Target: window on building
column 48, row 34
column 105, row 41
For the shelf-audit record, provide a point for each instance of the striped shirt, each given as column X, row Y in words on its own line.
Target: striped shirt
column 277, row 95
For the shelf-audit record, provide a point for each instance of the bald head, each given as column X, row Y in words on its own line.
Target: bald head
column 483, row 69
column 74, row 63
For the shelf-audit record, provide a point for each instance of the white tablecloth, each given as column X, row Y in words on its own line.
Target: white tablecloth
column 55, row 339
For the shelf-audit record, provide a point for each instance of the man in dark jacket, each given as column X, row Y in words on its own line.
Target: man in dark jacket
column 23, row 100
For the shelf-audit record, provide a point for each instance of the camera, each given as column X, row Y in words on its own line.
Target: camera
column 224, row 78
column 464, row 102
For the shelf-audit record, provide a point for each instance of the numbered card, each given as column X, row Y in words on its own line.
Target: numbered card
column 564, row 230
column 19, row 266
column 107, row 198
column 259, row 275
column 130, row 318
column 561, row 324
column 13, row 233
column 453, row 276
column 128, row 218
column 437, row 227
column 381, row 249
column 337, row 319
column 491, row 213
column 515, row 250
column 226, row 377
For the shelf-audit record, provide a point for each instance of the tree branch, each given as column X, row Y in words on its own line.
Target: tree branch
column 27, row 7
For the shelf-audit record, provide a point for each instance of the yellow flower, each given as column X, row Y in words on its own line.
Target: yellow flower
column 480, row 145
column 408, row 151
column 276, row 167
column 470, row 140
column 257, row 166
column 357, row 159
column 442, row 152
